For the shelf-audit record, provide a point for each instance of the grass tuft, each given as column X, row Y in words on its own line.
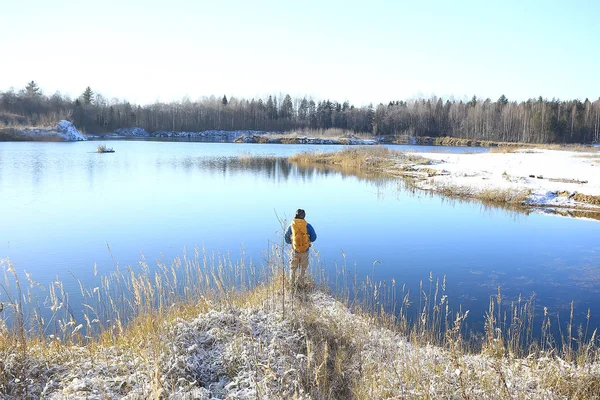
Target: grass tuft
column 102, row 148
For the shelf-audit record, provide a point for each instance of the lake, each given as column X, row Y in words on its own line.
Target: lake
column 65, row 210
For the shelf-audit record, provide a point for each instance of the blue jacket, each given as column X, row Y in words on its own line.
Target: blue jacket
column 312, row 235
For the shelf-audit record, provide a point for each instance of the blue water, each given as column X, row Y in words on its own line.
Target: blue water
column 62, row 206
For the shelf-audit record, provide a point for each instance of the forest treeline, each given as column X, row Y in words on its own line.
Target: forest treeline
column 532, row 121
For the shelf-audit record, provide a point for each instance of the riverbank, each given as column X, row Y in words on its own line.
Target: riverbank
column 207, row 136
column 450, row 141
column 239, row 136
column 62, row 131
column 301, row 139
column 246, row 347
column 534, row 177
column 546, row 179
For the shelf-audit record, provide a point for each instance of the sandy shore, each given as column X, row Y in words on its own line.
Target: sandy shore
column 551, row 178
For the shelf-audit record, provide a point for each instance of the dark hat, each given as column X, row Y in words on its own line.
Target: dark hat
column 300, row 213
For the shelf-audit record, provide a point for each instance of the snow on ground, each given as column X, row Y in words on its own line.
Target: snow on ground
column 545, row 172
column 68, row 131
column 215, row 135
column 64, row 130
column 272, row 138
column 135, row 132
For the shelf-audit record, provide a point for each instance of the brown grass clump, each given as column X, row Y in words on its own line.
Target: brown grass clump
column 102, row 148
column 454, row 141
column 361, row 159
column 510, row 196
column 585, row 198
column 592, row 157
column 358, row 158
column 504, row 149
column 488, row 196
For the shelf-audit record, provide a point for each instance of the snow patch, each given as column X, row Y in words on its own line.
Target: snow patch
column 279, row 139
column 545, row 173
column 68, row 131
column 549, row 199
column 210, row 135
column 136, row 132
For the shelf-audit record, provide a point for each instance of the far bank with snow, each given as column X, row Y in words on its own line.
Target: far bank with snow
column 236, row 136
column 279, row 139
column 208, row 136
column 62, row 131
column 553, row 178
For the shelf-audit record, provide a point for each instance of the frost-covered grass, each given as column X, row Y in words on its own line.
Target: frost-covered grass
column 206, row 327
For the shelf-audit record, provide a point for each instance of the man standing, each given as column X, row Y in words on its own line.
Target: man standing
column 300, row 235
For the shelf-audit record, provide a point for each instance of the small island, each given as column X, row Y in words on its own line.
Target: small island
column 102, row 148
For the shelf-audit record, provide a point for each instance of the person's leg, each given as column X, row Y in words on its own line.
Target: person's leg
column 294, row 264
column 303, row 262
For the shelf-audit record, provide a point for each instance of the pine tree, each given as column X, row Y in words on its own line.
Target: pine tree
column 32, row 89
column 303, row 110
column 88, row 96
column 224, row 101
column 287, row 108
column 272, row 108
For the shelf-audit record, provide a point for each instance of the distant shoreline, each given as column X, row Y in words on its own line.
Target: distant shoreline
column 49, row 134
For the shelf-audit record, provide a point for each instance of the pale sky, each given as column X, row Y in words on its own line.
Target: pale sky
column 362, row 51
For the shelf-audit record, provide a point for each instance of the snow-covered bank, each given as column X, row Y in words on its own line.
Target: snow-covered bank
column 553, row 178
column 283, row 139
column 64, row 131
column 320, row 350
column 238, row 136
column 209, row 136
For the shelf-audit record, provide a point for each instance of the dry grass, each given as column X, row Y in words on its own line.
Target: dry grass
column 509, row 196
column 11, row 134
column 591, row 157
column 454, row 141
column 501, row 147
column 512, row 197
column 584, row 198
column 130, row 311
column 379, row 343
column 362, row 160
column 570, row 147
column 505, row 149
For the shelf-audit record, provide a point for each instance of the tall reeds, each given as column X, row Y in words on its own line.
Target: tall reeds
column 135, row 308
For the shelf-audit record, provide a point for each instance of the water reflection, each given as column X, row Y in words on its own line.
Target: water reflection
column 274, row 168
column 37, row 167
column 568, row 213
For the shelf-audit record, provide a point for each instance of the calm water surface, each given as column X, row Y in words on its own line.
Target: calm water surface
column 62, row 206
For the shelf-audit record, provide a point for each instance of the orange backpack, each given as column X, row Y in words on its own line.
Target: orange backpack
column 300, row 239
